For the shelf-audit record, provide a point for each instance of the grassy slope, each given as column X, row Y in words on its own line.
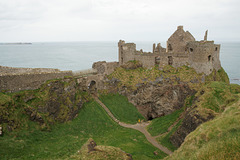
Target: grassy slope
column 216, row 139
column 100, row 152
column 132, row 77
column 160, row 125
column 216, row 96
column 121, row 108
column 66, row 139
column 164, row 140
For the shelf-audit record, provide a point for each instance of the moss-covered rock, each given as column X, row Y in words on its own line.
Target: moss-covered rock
column 56, row 101
column 90, row 151
column 211, row 100
column 216, row 139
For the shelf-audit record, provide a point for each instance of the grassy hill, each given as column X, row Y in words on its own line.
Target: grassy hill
column 121, row 108
column 216, row 139
column 66, row 139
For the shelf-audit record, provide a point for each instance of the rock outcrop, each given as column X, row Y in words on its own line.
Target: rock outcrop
column 61, row 103
column 56, row 101
column 192, row 119
column 90, row 150
column 154, row 100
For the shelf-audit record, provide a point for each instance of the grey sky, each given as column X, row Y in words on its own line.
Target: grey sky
column 107, row 20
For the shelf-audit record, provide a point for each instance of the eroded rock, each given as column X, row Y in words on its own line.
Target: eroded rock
column 154, row 100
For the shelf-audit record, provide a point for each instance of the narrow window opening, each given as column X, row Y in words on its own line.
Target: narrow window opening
column 209, row 58
column 216, row 49
column 191, row 50
column 170, row 60
column 170, row 47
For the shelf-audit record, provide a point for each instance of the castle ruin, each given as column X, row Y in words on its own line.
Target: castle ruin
column 182, row 49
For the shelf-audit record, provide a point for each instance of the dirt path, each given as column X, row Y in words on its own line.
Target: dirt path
column 139, row 126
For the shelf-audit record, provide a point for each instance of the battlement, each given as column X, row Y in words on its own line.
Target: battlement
column 182, row 49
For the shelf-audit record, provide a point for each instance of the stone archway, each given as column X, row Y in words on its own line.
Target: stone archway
column 92, row 86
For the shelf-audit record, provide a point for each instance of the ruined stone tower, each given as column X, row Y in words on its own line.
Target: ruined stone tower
column 182, row 49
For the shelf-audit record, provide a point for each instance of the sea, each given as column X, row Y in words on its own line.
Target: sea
column 81, row 55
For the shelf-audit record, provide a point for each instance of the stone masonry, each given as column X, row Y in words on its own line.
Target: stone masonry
column 182, row 49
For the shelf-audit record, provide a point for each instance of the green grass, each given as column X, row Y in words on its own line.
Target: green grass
column 217, row 95
column 121, row 108
column 165, row 139
column 160, row 125
column 64, row 140
column 100, row 152
column 130, row 78
column 216, row 139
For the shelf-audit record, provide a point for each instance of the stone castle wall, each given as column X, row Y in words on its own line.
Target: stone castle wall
column 18, row 79
column 16, row 71
column 182, row 49
column 104, row 67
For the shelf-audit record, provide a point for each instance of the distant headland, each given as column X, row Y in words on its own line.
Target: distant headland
column 16, row 43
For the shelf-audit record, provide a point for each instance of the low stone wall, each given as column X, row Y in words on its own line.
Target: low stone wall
column 28, row 81
column 103, row 67
column 16, row 71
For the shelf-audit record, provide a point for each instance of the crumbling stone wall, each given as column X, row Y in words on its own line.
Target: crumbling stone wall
column 204, row 56
column 14, row 83
column 178, row 40
column 104, row 67
column 16, row 71
column 18, row 79
column 182, row 49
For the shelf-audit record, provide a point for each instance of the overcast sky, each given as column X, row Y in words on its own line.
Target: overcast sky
column 111, row 20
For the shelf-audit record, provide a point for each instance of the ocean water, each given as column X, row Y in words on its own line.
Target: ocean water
column 81, row 55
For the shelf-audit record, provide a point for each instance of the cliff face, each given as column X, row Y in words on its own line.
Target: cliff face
column 210, row 101
column 154, row 100
column 192, row 119
column 157, row 92
column 61, row 101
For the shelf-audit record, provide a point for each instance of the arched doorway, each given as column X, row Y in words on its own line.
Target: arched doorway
column 92, row 86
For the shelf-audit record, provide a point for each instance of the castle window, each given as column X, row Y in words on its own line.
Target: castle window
column 170, row 47
column 209, row 58
column 170, row 60
column 216, row 49
column 190, row 49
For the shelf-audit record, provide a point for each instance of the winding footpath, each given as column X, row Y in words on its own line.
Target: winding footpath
column 139, row 126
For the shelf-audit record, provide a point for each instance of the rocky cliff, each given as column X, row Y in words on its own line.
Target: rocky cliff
column 156, row 100
column 158, row 92
column 210, row 101
column 56, row 101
